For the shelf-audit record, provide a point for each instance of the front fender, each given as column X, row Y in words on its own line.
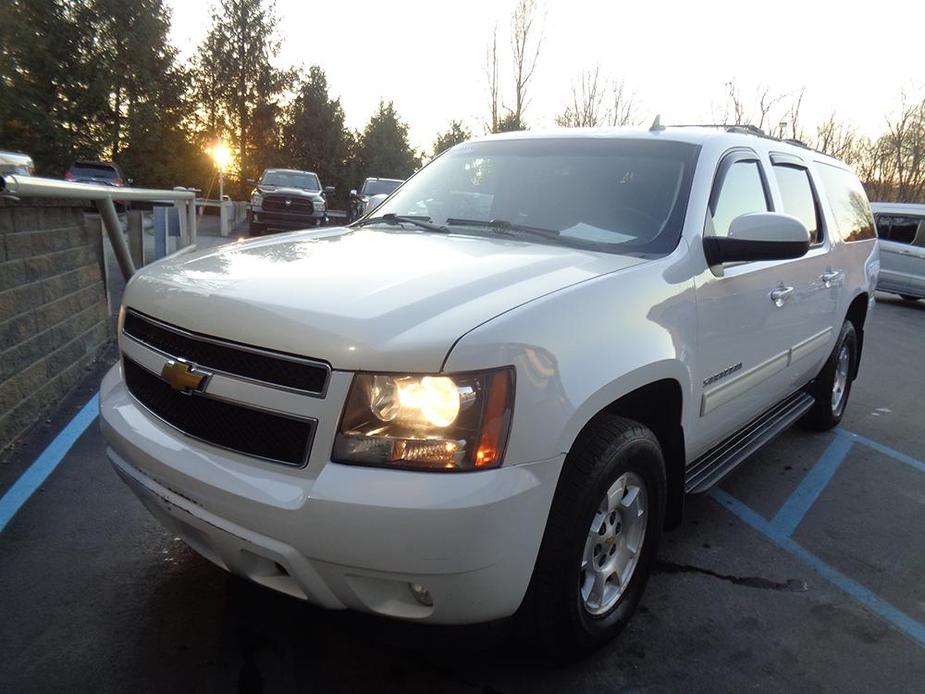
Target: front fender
column 577, row 350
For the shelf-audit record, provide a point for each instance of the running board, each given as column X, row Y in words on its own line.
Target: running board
column 722, row 459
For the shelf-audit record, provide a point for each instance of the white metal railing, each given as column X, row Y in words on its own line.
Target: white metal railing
column 103, row 197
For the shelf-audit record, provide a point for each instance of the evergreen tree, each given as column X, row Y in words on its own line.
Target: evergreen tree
column 234, row 72
column 383, row 148
column 453, row 135
column 49, row 102
column 315, row 137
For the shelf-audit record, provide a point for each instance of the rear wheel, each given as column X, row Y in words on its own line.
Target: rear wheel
column 832, row 386
column 909, row 297
column 600, row 541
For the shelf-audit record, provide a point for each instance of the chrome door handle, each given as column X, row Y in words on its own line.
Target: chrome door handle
column 780, row 295
column 829, row 276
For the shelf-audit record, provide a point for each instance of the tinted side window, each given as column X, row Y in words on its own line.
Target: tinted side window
column 798, row 198
column 901, row 229
column 849, row 204
column 742, row 192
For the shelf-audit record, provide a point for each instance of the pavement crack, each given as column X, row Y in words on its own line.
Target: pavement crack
column 792, row 585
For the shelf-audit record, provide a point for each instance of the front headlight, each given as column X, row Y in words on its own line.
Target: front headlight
column 446, row 423
column 319, row 205
column 256, row 199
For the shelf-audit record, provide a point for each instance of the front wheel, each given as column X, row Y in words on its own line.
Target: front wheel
column 601, row 539
column 832, row 386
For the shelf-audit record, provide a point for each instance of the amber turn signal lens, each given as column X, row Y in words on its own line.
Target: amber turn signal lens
column 496, row 419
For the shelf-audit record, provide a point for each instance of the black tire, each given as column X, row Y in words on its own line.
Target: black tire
column 823, row 415
column 553, row 615
column 909, row 297
column 255, row 229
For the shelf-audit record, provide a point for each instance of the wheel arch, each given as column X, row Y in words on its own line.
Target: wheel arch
column 659, row 405
column 857, row 316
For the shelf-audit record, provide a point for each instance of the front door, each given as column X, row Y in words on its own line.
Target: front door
column 749, row 314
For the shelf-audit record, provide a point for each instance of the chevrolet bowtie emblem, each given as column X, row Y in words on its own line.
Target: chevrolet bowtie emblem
column 182, row 376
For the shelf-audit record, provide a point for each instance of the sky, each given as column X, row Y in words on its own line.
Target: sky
column 428, row 56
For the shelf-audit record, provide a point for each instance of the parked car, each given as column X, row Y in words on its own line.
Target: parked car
column 901, row 232
column 486, row 400
column 286, row 199
column 16, row 163
column 372, row 193
column 100, row 172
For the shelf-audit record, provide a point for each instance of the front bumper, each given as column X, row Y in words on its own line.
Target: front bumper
column 287, row 220
column 336, row 535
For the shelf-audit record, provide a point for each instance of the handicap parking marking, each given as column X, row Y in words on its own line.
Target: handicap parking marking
column 789, row 516
column 886, row 450
column 912, row 628
column 36, row 474
column 781, row 528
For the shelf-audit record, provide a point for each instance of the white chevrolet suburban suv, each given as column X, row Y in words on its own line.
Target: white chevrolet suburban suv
column 489, row 397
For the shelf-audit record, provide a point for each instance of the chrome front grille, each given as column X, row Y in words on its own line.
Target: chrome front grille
column 244, row 361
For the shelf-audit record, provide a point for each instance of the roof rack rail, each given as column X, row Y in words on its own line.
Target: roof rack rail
column 743, row 128
column 746, row 128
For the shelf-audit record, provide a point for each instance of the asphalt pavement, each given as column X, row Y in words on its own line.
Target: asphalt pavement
column 802, row 572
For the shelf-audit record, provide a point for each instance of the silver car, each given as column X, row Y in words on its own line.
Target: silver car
column 16, row 163
column 901, row 230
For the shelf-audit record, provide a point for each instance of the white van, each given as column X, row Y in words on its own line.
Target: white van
column 901, row 230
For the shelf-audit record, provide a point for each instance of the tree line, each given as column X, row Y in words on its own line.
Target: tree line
column 100, row 79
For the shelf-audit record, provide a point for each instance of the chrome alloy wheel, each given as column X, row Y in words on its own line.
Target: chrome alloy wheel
column 614, row 544
column 840, row 382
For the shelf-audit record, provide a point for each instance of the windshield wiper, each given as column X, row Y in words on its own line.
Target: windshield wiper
column 390, row 218
column 503, row 226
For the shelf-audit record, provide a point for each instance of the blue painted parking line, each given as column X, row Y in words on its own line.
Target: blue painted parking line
column 899, row 619
column 886, row 450
column 789, row 515
column 45, row 464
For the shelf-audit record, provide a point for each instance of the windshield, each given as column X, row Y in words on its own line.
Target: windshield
column 379, row 187
column 607, row 194
column 90, row 170
column 291, row 179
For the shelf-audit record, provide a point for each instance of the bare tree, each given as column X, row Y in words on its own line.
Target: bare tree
column 623, row 107
column 526, row 41
column 836, row 139
column 586, row 107
column 491, row 73
column 904, row 150
column 594, row 104
column 764, row 110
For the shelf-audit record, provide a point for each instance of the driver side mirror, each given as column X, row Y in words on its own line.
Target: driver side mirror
column 328, row 190
column 758, row 236
column 353, row 192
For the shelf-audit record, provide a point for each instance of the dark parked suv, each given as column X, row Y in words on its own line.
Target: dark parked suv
column 286, row 199
column 100, row 172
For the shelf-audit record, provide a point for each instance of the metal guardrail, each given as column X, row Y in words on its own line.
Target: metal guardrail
column 104, row 198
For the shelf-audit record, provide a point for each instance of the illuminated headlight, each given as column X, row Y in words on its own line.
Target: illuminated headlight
column 319, row 205
column 256, row 200
column 453, row 422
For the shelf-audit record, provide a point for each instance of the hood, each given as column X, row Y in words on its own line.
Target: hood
column 291, row 192
column 358, row 298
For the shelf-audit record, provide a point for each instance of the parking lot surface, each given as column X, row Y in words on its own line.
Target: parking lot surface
column 802, row 571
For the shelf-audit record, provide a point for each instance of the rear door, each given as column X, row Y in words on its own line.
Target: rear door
column 902, row 253
column 818, row 277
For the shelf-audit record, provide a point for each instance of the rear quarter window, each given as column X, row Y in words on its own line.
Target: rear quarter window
column 848, row 203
